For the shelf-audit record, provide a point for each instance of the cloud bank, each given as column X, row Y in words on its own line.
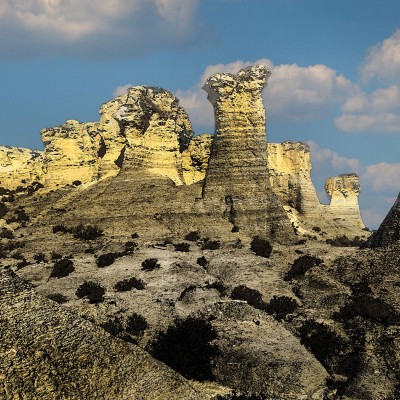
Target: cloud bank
column 96, row 28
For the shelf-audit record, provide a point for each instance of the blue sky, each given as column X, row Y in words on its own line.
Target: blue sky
column 335, row 71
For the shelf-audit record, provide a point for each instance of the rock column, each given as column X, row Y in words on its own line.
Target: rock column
column 237, row 178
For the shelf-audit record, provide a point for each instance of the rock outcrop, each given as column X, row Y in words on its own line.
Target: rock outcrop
column 237, row 179
column 47, row 352
column 157, row 131
column 195, row 158
column 389, row 230
column 71, row 153
column 19, row 167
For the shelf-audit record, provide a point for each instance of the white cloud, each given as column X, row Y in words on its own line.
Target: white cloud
column 293, row 92
column 96, row 27
column 120, row 90
column 382, row 176
column 383, row 60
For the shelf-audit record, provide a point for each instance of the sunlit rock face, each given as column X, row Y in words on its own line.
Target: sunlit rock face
column 71, row 153
column 195, row 158
column 156, row 129
column 237, row 177
column 343, row 191
column 389, row 230
column 19, row 167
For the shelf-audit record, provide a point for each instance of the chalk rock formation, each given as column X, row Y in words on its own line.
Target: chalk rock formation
column 157, row 131
column 19, row 167
column 389, row 230
column 343, row 191
column 71, row 153
column 112, row 141
column 289, row 166
column 195, row 158
column 237, row 176
column 46, row 352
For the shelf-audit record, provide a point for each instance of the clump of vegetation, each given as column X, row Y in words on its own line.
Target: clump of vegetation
column 129, row 284
column 193, row 236
column 82, row 232
column 20, row 216
column 150, row 264
column 261, row 247
column 40, row 258
column 235, row 229
column 218, row 285
column 136, row 324
column 202, row 262
column 252, row 296
column 23, row 263
column 211, row 244
column 187, row 348
column 104, row 260
column 76, row 183
column 130, row 247
column 57, row 297
column 344, row 241
column 301, row 265
column 55, row 256
column 281, row 306
column 316, row 229
column 242, row 396
column 62, row 268
column 3, row 210
column 113, row 326
column 183, row 247
column 134, row 235
column 92, row 290
column 86, row 232
column 366, row 306
column 6, row 233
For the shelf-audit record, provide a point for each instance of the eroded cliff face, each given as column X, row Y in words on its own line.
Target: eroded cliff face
column 157, row 131
column 19, row 167
column 71, row 153
column 237, row 177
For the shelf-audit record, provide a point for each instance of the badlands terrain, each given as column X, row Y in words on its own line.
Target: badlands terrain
column 142, row 262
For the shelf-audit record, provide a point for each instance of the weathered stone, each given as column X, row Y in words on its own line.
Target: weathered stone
column 71, row 153
column 389, row 230
column 195, row 158
column 237, row 179
column 19, row 167
column 46, row 352
column 157, row 131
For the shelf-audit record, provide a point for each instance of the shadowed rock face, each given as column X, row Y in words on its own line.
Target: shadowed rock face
column 389, row 230
column 47, row 352
column 237, row 177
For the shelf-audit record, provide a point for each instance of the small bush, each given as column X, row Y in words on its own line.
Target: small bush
column 60, row 228
column 86, row 232
column 134, row 235
column 344, row 241
column 193, row 236
column 235, row 229
column 130, row 247
column 281, row 306
column 23, row 263
column 252, row 296
column 6, row 234
column 3, row 210
column 57, row 297
column 129, row 284
column 136, row 325
column 218, row 285
column 242, row 396
column 316, row 229
column 105, row 260
column 186, row 347
column 301, row 266
column 261, row 247
column 76, row 183
column 55, row 256
column 113, row 326
column 211, row 244
column 40, row 258
column 183, row 247
column 92, row 290
column 202, row 262
column 62, row 268
column 150, row 264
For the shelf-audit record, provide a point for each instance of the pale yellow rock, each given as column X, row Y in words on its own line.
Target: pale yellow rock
column 343, row 191
column 157, row 131
column 19, row 167
column 112, row 142
column 195, row 158
column 71, row 153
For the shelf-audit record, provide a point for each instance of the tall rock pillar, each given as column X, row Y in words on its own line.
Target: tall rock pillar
column 237, row 179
